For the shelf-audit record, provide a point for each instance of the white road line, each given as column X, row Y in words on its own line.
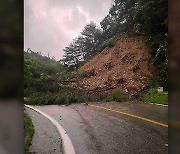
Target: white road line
column 158, row 104
column 68, row 147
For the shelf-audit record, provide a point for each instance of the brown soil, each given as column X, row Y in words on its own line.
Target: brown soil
column 125, row 66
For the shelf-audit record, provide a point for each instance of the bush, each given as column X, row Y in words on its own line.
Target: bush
column 152, row 96
column 41, row 99
column 118, row 96
column 71, row 99
column 109, row 99
column 60, row 99
column 82, row 99
column 109, row 42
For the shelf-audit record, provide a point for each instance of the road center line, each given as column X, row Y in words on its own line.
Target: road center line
column 131, row 115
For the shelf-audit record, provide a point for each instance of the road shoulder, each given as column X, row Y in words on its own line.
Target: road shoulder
column 46, row 137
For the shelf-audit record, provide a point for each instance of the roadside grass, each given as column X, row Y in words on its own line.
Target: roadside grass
column 28, row 132
column 153, row 96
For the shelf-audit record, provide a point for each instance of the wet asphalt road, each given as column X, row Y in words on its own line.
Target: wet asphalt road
column 46, row 139
column 97, row 131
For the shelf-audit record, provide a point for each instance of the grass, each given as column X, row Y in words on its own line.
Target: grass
column 153, row 96
column 28, row 132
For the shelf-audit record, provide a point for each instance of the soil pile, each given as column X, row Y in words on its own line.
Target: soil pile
column 126, row 66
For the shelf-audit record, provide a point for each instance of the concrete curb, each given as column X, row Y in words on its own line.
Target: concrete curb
column 158, row 104
column 67, row 144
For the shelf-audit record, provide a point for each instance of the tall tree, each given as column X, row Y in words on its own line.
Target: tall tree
column 119, row 18
column 92, row 38
column 83, row 46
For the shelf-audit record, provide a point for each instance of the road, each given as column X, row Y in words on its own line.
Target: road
column 46, row 138
column 94, row 130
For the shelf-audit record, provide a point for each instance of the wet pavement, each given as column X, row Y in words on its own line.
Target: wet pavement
column 46, row 139
column 98, row 131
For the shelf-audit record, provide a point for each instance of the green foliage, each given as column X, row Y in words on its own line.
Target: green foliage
column 41, row 84
column 109, row 42
column 118, row 96
column 95, row 97
column 29, row 54
column 150, row 17
column 159, row 46
column 28, row 132
column 65, row 75
column 152, row 96
column 82, row 47
column 119, row 18
column 29, row 66
column 83, row 99
column 60, row 99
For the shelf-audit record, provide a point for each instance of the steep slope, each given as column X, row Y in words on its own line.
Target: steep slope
column 125, row 66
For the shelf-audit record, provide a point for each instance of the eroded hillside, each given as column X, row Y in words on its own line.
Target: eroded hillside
column 126, row 66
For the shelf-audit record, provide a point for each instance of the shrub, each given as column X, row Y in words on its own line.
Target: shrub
column 109, row 42
column 118, row 96
column 73, row 99
column 109, row 99
column 152, row 96
column 60, row 99
column 82, row 99
column 50, row 99
column 67, row 101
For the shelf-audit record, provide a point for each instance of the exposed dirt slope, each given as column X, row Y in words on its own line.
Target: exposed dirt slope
column 125, row 66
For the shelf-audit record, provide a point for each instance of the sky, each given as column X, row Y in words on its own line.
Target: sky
column 50, row 25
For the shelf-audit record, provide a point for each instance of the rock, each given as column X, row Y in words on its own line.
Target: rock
column 89, row 73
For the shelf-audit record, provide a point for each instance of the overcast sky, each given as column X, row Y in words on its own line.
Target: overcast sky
column 50, row 25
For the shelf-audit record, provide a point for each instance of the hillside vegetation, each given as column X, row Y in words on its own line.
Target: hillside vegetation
column 126, row 18
column 44, row 80
column 126, row 58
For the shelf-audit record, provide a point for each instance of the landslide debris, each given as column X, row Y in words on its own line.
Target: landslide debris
column 126, row 66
